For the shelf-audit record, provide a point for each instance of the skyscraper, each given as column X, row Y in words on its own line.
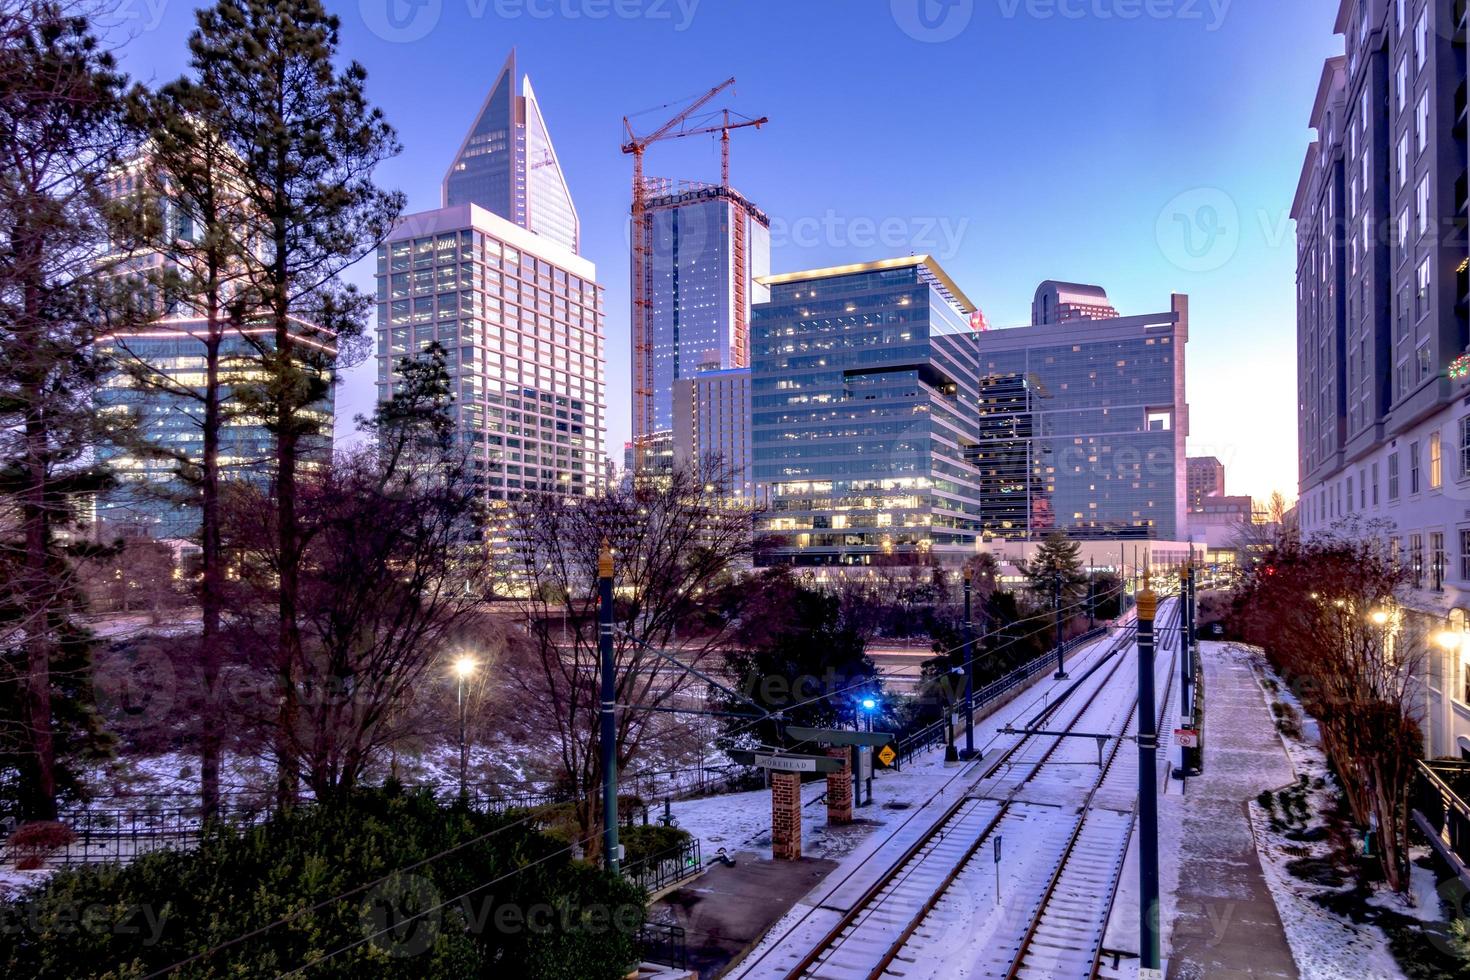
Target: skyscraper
column 1082, row 427
column 508, row 165
column 494, row 277
column 708, row 248
column 863, row 397
column 1206, row 478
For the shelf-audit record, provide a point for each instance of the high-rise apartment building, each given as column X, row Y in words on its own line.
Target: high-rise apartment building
column 517, row 309
column 1082, row 427
column 863, row 400
column 1204, row 477
column 706, row 250
column 508, row 165
column 1383, row 290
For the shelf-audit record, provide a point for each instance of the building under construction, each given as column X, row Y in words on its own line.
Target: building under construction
column 698, row 251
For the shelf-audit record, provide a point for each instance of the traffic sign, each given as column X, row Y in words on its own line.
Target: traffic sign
column 786, row 762
column 1187, row 738
column 886, row 755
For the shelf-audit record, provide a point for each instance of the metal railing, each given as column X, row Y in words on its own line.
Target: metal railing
column 670, row 867
column 664, row 944
column 935, row 734
column 1440, row 810
column 113, row 835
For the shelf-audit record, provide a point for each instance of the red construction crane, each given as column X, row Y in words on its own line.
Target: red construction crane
column 676, row 128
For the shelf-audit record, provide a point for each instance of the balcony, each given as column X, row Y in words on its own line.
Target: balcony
column 1439, row 810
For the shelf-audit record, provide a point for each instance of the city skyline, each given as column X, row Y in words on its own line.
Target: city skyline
column 1002, row 200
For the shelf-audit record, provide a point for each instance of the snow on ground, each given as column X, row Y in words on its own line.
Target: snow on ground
column 14, row 884
column 1325, row 946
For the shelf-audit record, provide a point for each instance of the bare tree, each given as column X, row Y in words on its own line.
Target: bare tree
column 1327, row 614
column 675, row 544
column 391, row 568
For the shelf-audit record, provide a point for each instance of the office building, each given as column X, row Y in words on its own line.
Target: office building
column 706, row 250
column 1382, row 299
column 1058, row 302
column 863, row 399
column 1204, row 477
column 156, row 376
column 518, row 310
column 1082, row 425
column 712, row 428
column 508, row 165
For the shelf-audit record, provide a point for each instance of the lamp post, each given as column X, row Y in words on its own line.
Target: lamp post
column 1061, row 674
column 607, row 732
column 1148, row 802
column 969, row 671
column 464, row 669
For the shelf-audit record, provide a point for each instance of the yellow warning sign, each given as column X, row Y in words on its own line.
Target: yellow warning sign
column 886, row 755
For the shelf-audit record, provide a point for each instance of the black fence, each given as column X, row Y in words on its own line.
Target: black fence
column 663, row 944
column 670, row 867
column 935, row 734
column 1441, row 811
column 116, row 835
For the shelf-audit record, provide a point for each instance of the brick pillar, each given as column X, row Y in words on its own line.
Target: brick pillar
column 839, row 788
column 786, row 816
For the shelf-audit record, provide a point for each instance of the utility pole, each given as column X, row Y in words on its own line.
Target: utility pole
column 1148, row 801
column 1091, row 601
column 608, row 735
column 1057, row 602
column 969, row 671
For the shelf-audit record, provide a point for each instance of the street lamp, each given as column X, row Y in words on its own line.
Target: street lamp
column 464, row 669
column 869, row 705
column 1379, row 617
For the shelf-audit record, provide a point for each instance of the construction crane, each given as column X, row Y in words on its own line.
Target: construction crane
column 678, row 127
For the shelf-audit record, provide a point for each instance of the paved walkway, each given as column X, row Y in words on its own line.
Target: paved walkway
column 1226, row 925
column 727, row 910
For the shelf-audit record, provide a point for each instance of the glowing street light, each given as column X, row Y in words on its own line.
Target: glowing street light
column 1379, row 617
column 464, row 668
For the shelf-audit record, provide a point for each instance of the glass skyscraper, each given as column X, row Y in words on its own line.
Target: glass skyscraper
column 508, row 165
column 708, row 248
column 864, row 398
column 1081, row 427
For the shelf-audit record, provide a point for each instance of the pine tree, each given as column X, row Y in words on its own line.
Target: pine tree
column 61, row 138
column 307, row 142
column 1056, row 564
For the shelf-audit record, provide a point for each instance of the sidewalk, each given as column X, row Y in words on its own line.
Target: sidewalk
column 1226, row 925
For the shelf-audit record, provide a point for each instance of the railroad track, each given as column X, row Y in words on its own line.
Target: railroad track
column 919, row 919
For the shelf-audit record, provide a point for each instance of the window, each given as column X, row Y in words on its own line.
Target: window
column 1426, row 366
column 1421, row 121
column 1401, row 85
column 1362, row 489
column 1421, row 40
column 1421, row 294
column 1416, row 560
column 1375, row 484
column 1398, row 19
column 1349, row 495
column 1421, row 205
column 1436, row 463
column 1393, row 476
column 1403, row 158
column 1413, row 467
column 1437, row 564
column 1465, row 554
column 1465, row 447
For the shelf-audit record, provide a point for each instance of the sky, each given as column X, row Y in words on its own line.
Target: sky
column 1149, row 146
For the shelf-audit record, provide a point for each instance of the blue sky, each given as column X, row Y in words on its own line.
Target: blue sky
column 1150, row 146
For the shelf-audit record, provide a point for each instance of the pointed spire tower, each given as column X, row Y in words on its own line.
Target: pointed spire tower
column 508, row 165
